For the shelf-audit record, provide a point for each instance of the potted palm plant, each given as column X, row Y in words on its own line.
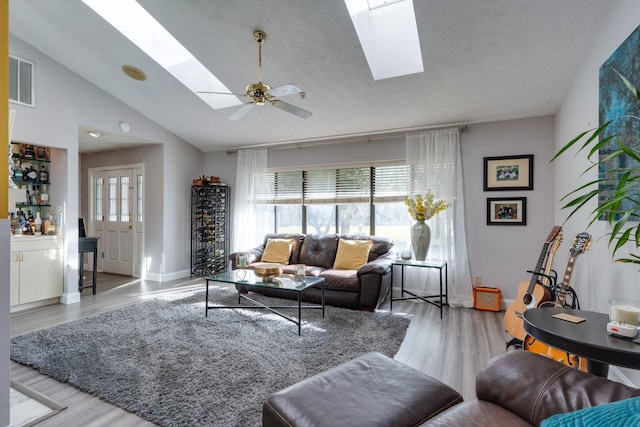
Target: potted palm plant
column 616, row 144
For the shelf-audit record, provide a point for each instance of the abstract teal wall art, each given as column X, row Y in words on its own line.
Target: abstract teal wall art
column 617, row 103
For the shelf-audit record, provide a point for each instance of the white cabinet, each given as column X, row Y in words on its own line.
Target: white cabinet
column 36, row 268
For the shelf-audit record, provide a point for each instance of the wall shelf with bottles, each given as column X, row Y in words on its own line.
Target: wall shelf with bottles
column 31, row 170
column 31, row 163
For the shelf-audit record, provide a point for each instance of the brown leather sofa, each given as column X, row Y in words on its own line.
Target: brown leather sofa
column 518, row 388
column 362, row 289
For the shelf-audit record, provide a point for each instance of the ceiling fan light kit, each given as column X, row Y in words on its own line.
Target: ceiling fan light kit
column 262, row 93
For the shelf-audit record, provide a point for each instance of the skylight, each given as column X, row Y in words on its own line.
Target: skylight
column 135, row 23
column 388, row 34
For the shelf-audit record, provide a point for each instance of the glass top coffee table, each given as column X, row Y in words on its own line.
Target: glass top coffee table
column 286, row 282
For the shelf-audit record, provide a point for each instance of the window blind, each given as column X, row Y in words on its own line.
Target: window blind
column 377, row 184
column 281, row 188
column 335, row 186
column 390, row 183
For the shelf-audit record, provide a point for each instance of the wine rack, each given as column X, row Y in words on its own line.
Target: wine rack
column 210, row 205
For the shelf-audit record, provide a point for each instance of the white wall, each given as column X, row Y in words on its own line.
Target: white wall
column 596, row 277
column 500, row 254
column 182, row 163
column 65, row 101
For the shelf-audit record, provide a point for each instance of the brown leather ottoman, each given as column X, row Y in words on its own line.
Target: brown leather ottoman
column 370, row 390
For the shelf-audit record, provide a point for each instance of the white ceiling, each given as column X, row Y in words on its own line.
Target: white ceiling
column 484, row 60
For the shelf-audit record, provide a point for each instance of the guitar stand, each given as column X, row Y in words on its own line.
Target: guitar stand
column 552, row 278
column 514, row 342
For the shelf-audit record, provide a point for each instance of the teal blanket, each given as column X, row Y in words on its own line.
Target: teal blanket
column 623, row 413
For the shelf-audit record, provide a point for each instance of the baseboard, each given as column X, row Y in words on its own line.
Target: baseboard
column 36, row 304
column 167, row 277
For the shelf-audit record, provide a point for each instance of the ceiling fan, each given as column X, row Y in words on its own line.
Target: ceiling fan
column 262, row 94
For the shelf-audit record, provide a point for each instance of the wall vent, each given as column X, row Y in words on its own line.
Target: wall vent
column 21, row 73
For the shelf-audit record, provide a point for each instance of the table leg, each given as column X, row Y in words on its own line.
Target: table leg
column 323, row 298
column 598, row 368
column 80, row 281
column 206, row 300
column 440, row 294
column 299, row 313
column 95, row 270
column 391, row 291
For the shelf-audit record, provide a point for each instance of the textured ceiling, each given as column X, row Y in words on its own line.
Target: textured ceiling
column 484, row 61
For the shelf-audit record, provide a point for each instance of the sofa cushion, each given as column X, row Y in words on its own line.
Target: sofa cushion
column 297, row 243
column 476, row 413
column 277, row 250
column 352, row 254
column 319, row 250
column 344, row 280
column 381, row 245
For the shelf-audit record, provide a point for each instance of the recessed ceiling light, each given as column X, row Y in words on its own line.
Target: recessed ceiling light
column 134, row 72
column 388, row 34
column 94, row 133
column 124, row 127
column 135, row 23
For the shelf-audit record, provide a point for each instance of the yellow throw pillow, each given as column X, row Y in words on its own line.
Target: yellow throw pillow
column 352, row 254
column 277, row 250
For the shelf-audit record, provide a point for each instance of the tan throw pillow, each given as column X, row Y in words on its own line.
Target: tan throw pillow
column 277, row 250
column 352, row 254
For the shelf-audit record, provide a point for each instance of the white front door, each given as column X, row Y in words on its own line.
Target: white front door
column 117, row 220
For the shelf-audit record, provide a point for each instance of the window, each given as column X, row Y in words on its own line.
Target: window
column 98, row 204
column 139, row 197
column 390, row 185
column 113, row 198
column 20, row 81
column 125, row 214
column 361, row 200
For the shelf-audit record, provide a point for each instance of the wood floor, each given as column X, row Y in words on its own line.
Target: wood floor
column 452, row 350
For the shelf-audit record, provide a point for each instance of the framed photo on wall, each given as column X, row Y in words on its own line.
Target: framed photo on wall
column 508, row 173
column 507, row 211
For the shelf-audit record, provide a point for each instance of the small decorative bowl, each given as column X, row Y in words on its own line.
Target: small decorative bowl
column 267, row 271
column 405, row 255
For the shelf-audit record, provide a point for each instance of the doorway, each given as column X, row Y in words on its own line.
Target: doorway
column 117, row 218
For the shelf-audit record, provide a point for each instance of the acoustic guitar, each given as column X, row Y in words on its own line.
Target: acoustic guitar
column 533, row 292
column 580, row 245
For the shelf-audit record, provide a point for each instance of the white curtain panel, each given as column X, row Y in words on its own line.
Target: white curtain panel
column 248, row 220
column 436, row 155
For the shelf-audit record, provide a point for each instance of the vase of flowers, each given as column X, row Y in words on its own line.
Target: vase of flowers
column 422, row 209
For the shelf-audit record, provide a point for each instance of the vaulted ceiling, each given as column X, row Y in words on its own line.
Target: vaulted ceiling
column 484, row 60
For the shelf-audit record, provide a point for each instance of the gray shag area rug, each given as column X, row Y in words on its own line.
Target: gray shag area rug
column 164, row 361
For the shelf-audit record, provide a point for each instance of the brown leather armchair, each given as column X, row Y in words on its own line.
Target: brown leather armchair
column 521, row 388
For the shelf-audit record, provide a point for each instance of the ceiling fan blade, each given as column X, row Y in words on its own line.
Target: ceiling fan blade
column 285, row 106
column 284, row 90
column 221, row 93
column 240, row 112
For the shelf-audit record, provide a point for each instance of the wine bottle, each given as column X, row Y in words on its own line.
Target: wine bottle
column 37, row 229
column 44, row 174
column 44, row 195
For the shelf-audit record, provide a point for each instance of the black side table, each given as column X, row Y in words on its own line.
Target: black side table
column 88, row 244
column 443, row 296
column 589, row 339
